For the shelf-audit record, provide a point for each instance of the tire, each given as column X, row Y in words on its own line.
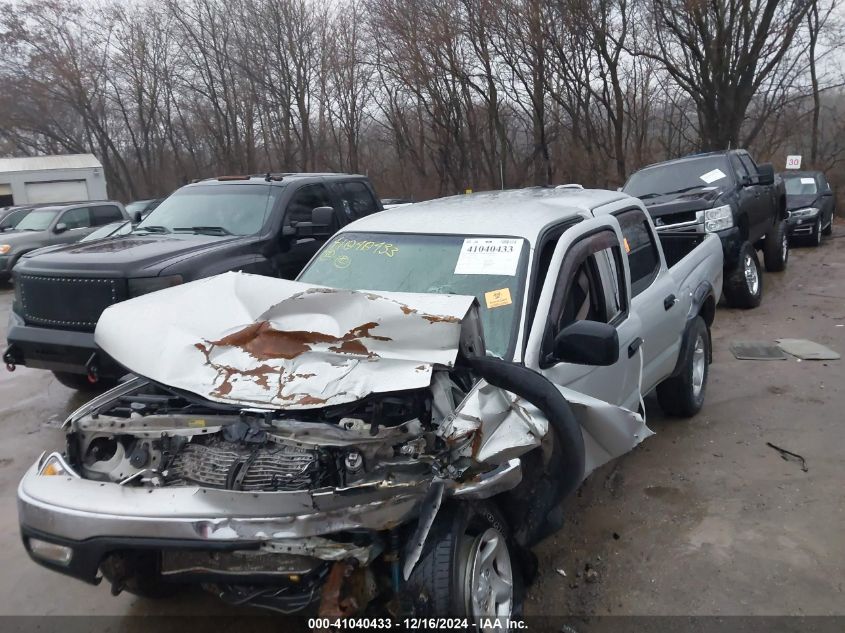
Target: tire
column 828, row 230
column 450, row 581
column 682, row 395
column 80, row 382
column 743, row 285
column 776, row 248
column 815, row 238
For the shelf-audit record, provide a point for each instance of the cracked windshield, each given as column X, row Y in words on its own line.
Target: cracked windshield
column 491, row 269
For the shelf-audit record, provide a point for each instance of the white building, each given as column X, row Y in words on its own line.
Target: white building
column 36, row 179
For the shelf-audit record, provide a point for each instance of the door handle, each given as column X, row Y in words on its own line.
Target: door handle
column 634, row 346
column 669, row 301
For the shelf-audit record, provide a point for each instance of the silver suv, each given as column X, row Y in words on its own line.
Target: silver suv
column 47, row 225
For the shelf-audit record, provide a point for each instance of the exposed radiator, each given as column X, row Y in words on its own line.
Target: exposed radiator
column 227, row 465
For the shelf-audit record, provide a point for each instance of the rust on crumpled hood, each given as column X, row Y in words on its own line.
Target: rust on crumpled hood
column 274, row 343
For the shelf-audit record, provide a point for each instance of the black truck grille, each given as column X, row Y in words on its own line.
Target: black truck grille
column 73, row 303
column 681, row 217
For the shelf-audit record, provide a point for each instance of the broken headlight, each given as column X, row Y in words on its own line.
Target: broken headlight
column 55, row 466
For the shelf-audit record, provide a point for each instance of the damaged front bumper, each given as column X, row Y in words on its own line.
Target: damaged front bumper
column 89, row 519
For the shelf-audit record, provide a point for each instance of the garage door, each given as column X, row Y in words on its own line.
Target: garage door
column 56, row 191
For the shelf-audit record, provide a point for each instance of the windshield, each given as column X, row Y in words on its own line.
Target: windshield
column 677, row 177
column 492, row 269
column 11, row 220
column 109, row 230
column 37, row 220
column 235, row 209
column 800, row 185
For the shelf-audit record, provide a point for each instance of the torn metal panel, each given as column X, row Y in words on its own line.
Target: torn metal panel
column 609, row 431
column 273, row 343
column 492, row 425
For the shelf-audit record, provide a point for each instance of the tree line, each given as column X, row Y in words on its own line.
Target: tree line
column 427, row 97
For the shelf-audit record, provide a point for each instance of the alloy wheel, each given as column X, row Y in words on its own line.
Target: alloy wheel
column 699, row 364
column 752, row 277
column 489, row 576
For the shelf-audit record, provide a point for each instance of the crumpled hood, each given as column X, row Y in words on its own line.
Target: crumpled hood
column 278, row 344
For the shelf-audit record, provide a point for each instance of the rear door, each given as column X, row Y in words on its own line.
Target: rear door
column 588, row 279
column 357, row 199
column 105, row 214
column 827, row 199
column 652, row 297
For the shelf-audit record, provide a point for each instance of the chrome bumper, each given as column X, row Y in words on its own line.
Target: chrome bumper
column 77, row 509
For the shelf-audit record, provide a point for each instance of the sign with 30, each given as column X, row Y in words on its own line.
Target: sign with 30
column 793, row 162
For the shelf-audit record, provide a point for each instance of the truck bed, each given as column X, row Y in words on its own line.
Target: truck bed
column 676, row 246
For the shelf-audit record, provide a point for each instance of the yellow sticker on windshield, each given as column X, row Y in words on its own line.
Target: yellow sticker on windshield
column 627, row 246
column 498, row 298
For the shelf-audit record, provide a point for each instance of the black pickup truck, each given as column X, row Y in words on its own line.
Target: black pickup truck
column 267, row 225
column 725, row 193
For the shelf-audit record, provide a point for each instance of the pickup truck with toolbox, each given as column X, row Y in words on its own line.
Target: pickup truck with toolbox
column 258, row 224
column 400, row 424
column 728, row 194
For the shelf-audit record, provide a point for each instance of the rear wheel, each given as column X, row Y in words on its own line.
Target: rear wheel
column 80, row 382
column 469, row 568
column 743, row 285
column 776, row 248
column 683, row 395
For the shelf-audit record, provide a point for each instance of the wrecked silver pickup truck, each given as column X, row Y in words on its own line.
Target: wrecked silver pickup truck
column 308, row 444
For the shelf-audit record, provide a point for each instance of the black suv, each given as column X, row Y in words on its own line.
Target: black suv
column 725, row 193
column 267, row 225
column 811, row 205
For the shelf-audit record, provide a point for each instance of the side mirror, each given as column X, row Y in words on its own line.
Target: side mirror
column 765, row 174
column 61, row 227
column 322, row 217
column 136, row 216
column 319, row 226
column 587, row 343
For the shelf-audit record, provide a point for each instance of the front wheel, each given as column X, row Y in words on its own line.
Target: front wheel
column 776, row 248
column 683, row 395
column 816, row 235
column 469, row 568
column 743, row 285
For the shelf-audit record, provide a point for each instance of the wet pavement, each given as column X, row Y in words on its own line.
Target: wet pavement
column 702, row 519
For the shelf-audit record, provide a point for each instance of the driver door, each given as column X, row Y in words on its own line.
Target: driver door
column 298, row 250
column 77, row 223
column 590, row 281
